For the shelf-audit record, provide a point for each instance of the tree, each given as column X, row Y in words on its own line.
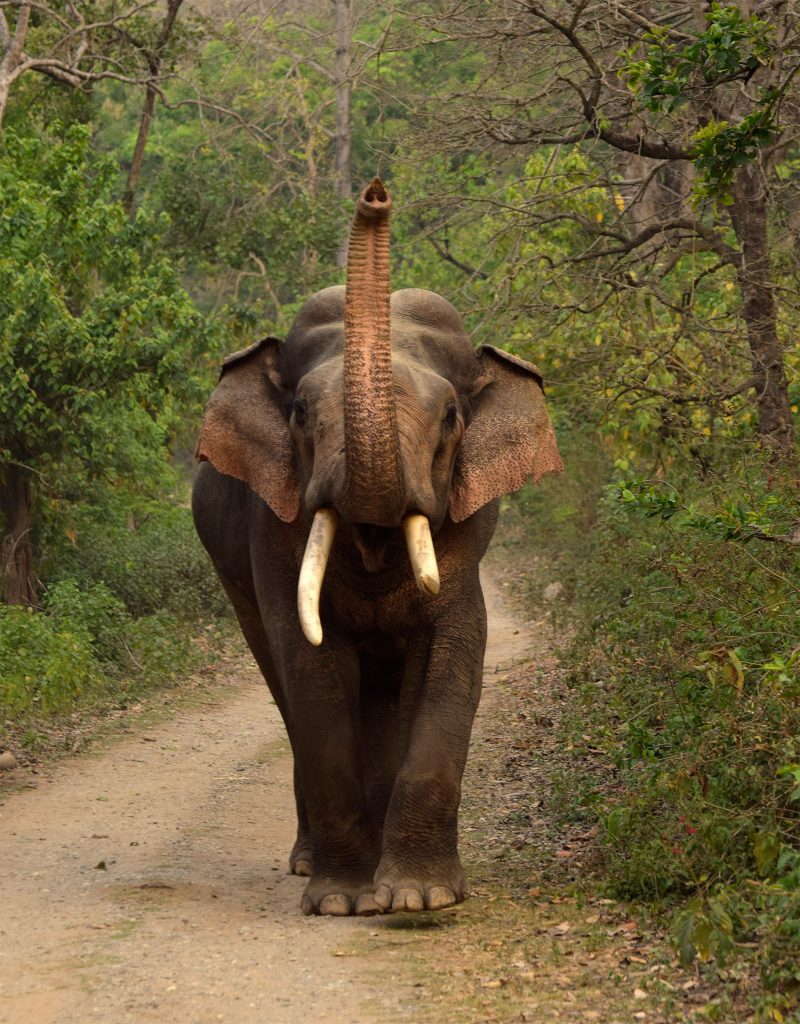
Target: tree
column 80, row 44
column 254, row 145
column 681, row 114
column 99, row 341
column 154, row 63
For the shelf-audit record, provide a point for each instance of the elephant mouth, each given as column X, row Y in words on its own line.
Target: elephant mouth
column 373, row 543
column 377, row 545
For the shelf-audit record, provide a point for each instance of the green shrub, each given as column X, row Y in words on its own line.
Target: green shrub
column 159, row 648
column 47, row 664
column 98, row 611
column 685, row 667
column 149, row 557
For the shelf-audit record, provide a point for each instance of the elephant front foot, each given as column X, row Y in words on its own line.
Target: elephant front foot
column 339, row 897
column 301, row 859
column 400, row 887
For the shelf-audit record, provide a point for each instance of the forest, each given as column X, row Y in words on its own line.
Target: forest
column 610, row 190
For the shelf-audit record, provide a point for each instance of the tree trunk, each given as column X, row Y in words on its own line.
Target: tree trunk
column 12, row 53
column 344, row 93
column 138, row 152
column 5, row 87
column 760, row 313
column 154, row 62
column 16, row 506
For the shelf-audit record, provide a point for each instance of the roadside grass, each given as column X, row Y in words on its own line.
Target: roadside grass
column 681, row 738
column 128, row 610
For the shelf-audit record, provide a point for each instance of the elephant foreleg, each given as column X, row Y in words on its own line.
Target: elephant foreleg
column 300, row 858
column 323, row 721
column 419, row 867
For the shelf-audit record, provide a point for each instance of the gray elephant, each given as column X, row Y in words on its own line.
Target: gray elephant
column 375, row 442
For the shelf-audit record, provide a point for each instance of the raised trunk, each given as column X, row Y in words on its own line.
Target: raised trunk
column 760, row 314
column 375, row 488
column 16, row 505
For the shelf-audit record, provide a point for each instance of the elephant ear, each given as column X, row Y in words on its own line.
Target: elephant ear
column 245, row 433
column 509, row 438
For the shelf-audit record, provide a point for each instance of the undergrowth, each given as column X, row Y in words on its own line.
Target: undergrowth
column 683, row 596
column 130, row 604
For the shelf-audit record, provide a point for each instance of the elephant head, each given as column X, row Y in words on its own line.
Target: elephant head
column 377, row 412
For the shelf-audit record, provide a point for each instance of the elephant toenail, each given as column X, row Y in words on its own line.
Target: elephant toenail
column 366, row 905
column 337, row 905
column 408, row 899
column 383, row 897
column 440, row 896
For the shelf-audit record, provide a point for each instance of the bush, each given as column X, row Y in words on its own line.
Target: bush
column 127, row 586
column 48, row 664
column 159, row 648
column 100, row 613
column 149, row 557
column 686, row 672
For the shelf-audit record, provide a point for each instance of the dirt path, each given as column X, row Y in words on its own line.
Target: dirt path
column 147, row 882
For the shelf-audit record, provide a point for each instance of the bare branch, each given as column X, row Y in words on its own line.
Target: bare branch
column 448, row 257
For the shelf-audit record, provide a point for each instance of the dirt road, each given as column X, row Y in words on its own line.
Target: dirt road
column 147, row 882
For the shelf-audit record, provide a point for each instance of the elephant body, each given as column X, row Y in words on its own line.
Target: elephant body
column 379, row 713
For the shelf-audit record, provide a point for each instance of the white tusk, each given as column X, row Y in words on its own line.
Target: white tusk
column 421, row 553
column 312, row 572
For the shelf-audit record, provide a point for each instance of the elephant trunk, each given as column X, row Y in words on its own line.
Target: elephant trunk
column 375, row 488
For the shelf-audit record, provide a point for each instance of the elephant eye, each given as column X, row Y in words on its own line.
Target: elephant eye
column 450, row 418
column 300, row 411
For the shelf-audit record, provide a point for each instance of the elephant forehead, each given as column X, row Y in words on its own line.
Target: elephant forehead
column 324, row 381
column 427, row 308
column 316, row 349
column 425, row 328
column 414, row 384
column 419, row 389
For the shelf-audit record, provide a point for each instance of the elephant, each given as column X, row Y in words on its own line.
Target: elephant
column 348, row 487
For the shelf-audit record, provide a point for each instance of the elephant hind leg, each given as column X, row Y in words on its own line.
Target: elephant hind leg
column 301, row 861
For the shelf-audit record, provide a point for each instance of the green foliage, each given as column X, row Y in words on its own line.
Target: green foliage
column 85, row 651
column 97, row 335
column 101, row 614
column 145, row 553
column 721, row 147
column 732, row 47
column 687, row 676
column 48, row 664
column 768, row 516
column 128, row 588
